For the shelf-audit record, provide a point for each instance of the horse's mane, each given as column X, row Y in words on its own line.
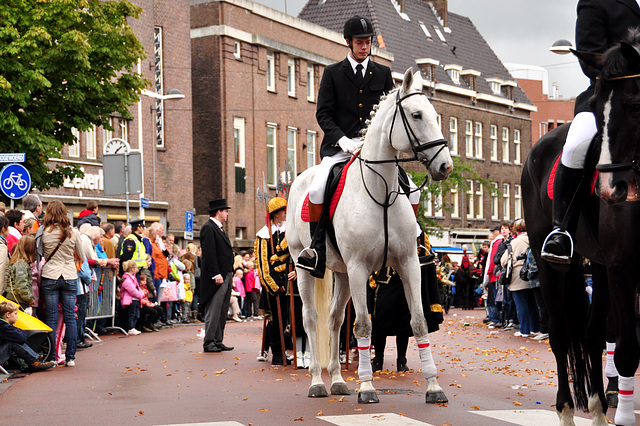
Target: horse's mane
column 614, row 64
column 374, row 111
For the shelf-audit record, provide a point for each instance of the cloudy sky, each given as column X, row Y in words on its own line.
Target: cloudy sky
column 519, row 31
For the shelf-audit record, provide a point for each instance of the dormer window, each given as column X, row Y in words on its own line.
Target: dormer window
column 400, row 8
column 425, row 30
column 496, row 85
column 454, row 72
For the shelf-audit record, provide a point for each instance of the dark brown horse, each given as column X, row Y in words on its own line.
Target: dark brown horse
column 607, row 234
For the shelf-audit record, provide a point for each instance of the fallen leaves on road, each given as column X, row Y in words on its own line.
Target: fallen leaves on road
column 141, row 413
column 264, row 409
column 516, row 403
column 221, row 371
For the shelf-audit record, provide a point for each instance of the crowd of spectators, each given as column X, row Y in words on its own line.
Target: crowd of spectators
column 53, row 270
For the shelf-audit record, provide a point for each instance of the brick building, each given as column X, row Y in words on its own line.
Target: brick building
column 255, row 73
column 484, row 113
column 160, row 129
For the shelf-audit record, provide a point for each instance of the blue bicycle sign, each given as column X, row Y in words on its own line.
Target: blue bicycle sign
column 15, row 181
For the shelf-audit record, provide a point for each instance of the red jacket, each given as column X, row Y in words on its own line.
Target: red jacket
column 490, row 265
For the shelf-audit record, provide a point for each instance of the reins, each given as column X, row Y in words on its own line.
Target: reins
column 416, row 147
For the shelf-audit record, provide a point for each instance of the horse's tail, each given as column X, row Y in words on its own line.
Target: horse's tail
column 323, row 290
column 577, row 315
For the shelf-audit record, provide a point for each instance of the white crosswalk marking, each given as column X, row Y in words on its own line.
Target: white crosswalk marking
column 528, row 417
column 390, row 419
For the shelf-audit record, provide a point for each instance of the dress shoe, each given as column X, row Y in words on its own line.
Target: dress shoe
column 377, row 363
column 223, row 347
column 212, row 348
column 402, row 364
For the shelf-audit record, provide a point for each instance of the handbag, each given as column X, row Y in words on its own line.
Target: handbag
column 507, row 271
column 524, row 271
column 169, row 292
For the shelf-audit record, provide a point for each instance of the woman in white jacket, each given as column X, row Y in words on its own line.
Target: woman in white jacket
column 522, row 294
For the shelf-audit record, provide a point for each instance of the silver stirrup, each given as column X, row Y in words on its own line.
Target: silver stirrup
column 554, row 257
column 308, row 253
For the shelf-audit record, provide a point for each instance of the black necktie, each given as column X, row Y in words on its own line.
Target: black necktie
column 359, row 76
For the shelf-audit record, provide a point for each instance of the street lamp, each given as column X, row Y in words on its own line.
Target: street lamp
column 171, row 94
column 561, row 47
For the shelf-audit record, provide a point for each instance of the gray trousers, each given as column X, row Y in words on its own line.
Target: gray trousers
column 215, row 313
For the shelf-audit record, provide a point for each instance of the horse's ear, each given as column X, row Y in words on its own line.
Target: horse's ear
column 417, row 82
column 407, row 81
column 629, row 52
column 590, row 59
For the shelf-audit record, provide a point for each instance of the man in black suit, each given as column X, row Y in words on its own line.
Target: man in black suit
column 600, row 25
column 348, row 92
column 216, row 275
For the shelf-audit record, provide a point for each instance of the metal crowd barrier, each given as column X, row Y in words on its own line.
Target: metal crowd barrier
column 102, row 304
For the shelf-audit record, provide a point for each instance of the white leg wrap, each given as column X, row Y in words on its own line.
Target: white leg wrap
column 624, row 412
column 365, row 372
column 426, row 359
column 610, row 367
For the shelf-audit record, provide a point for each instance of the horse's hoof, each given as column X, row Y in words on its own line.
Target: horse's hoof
column 318, row 391
column 437, row 397
column 340, row 389
column 368, row 397
column 612, row 399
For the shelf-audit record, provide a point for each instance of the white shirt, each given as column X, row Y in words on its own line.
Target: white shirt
column 364, row 63
column 217, row 222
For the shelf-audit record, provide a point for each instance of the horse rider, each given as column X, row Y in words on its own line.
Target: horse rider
column 348, row 92
column 600, row 24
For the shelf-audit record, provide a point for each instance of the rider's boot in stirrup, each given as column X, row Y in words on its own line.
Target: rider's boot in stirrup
column 313, row 258
column 558, row 246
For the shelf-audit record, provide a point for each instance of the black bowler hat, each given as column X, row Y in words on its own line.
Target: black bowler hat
column 135, row 223
column 219, row 204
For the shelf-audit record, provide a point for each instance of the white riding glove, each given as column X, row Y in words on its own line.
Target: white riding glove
column 28, row 311
column 349, row 145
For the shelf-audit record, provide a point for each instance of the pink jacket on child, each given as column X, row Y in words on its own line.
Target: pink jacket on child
column 130, row 289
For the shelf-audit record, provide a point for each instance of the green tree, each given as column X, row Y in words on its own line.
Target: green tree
column 462, row 171
column 64, row 64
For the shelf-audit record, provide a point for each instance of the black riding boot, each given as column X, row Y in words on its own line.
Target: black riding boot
column 558, row 247
column 314, row 258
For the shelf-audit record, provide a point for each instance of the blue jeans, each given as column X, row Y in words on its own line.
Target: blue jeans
column 82, row 301
column 494, row 313
column 22, row 350
column 527, row 310
column 64, row 292
column 133, row 311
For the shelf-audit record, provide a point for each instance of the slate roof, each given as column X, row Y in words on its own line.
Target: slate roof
column 464, row 45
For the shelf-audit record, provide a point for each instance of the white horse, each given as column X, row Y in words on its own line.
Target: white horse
column 405, row 122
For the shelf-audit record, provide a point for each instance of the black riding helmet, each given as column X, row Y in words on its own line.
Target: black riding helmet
column 358, row 27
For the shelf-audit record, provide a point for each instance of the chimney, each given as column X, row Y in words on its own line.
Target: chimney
column 441, row 9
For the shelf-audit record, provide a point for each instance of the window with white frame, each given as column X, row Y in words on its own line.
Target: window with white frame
column 311, row 148
column 506, row 205
column 477, row 138
column 311, row 84
column 455, row 205
column 453, row 135
column 505, row 144
column 272, row 161
column 479, row 201
column 469, row 194
column 494, row 142
column 271, row 72
column 291, row 77
column 468, row 137
column 424, row 29
column 90, row 143
column 517, row 199
column 494, row 201
column 74, row 148
column 237, row 51
column 427, row 204
column 124, row 129
column 107, row 134
column 496, row 87
column 292, row 141
column 517, row 153
column 455, row 75
column 438, row 206
column 239, row 141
